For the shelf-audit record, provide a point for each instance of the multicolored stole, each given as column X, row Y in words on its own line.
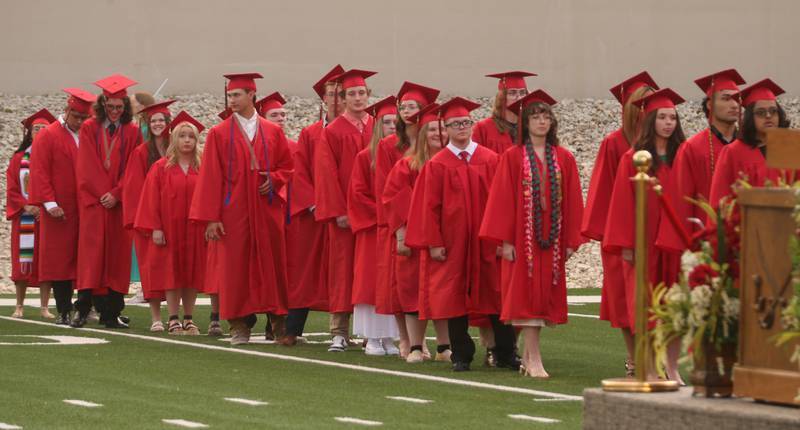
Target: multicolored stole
column 27, row 222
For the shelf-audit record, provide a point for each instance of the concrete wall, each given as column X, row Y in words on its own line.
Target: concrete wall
column 580, row 48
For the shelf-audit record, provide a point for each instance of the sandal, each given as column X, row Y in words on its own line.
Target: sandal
column 190, row 329
column 18, row 312
column 157, row 327
column 175, row 327
column 214, row 329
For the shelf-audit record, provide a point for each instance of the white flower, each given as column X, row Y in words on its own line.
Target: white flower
column 700, row 298
column 689, row 260
column 675, row 295
column 730, row 307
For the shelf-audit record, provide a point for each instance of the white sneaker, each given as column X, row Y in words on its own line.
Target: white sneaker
column 374, row 347
column 415, row 356
column 137, row 299
column 339, row 344
column 389, row 347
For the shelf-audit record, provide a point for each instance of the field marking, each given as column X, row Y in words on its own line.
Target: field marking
column 4, row 426
column 411, row 375
column 534, row 419
column 359, row 421
column 82, row 403
column 184, row 423
column 58, row 340
column 247, row 402
column 597, row 317
column 583, row 299
column 553, row 400
column 409, row 399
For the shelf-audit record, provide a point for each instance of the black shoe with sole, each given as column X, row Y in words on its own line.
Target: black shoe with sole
column 460, row 366
column 63, row 319
column 116, row 323
column 512, row 363
column 78, row 322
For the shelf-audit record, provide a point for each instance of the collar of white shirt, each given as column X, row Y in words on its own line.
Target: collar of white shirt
column 248, row 124
column 471, row 147
column 64, row 124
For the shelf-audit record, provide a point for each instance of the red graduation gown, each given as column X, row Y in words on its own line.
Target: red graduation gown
column 526, row 297
column 133, row 183
column 397, row 201
column 306, row 239
column 361, row 213
column 738, row 160
column 612, row 296
column 693, row 174
column 164, row 205
column 449, row 201
column 333, row 165
column 15, row 205
column 104, row 258
column 248, row 265
column 53, row 180
column 485, row 133
column 386, row 298
column 663, row 261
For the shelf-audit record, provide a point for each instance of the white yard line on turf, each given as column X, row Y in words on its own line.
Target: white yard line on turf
column 534, row 419
column 4, row 426
column 597, row 317
column 83, row 403
column 350, row 420
column 246, row 401
column 184, row 423
column 412, row 375
column 409, row 399
column 553, row 400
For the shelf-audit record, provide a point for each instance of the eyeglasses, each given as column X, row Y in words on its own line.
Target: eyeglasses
column 114, row 107
column 460, row 124
column 766, row 113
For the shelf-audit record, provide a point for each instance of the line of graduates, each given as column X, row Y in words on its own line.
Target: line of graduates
column 388, row 215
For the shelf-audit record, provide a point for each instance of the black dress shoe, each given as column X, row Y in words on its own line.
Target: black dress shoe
column 512, row 363
column 63, row 319
column 116, row 323
column 126, row 320
column 78, row 322
column 460, row 366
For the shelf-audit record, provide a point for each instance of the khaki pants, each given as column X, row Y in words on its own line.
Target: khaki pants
column 340, row 324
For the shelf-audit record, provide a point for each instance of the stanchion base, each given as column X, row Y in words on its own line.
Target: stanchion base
column 633, row 385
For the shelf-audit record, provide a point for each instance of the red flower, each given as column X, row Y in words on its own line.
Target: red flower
column 701, row 275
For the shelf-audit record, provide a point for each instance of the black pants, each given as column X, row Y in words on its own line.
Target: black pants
column 505, row 339
column 461, row 343
column 84, row 303
column 109, row 306
column 296, row 321
column 62, row 292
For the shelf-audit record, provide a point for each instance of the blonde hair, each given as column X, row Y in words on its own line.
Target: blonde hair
column 172, row 150
column 377, row 135
column 497, row 112
column 420, row 151
column 630, row 114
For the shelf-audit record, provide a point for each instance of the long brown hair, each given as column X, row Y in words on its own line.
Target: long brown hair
column 172, row 150
column 403, row 142
column 100, row 110
column 631, row 114
column 537, row 108
column 647, row 139
column 498, row 109
column 420, row 152
column 152, row 151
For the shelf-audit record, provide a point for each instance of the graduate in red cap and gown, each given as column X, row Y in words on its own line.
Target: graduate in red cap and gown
column 246, row 163
column 307, row 238
column 176, row 259
column 24, row 215
column 498, row 132
column 107, row 142
column 156, row 141
column 459, row 270
column 612, row 300
column 661, row 135
column 335, row 155
column 698, row 156
column 53, row 188
column 745, row 158
column 534, row 211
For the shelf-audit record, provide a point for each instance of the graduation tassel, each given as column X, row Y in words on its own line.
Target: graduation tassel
column 289, row 203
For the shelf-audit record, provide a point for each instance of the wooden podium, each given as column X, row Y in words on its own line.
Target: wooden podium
column 764, row 371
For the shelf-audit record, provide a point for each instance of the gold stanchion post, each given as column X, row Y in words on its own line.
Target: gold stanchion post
column 644, row 357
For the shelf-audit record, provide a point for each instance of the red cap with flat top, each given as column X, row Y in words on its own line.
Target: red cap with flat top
column 184, row 116
column 661, row 99
column 386, row 106
column 457, row 107
column 160, row 107
column 353, row 78
column 115, row 86
column 728, row 79
column 624, row 90
column 242, row 81
column 272, row 101
column 427, row 114
column 80, row 100
column 513, row 79
column 42, row 117
column 319, row 87
column 225, row 114
column 764, row 89
column 538, row 96
column 419, row 93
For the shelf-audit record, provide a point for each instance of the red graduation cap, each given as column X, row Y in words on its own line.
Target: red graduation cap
column 42, row 117
column 160, row 107
column 319, row 87
column 427, row 114
column 538, row 96
column 419, row 93
column 353, row 78
column 80, row 100
column 386, row 106
column 728, row 79
column 624, row 90
column 243, row 81
column 764, row 89
column 272, row 101
column 514, row 79
column 115, row 86
column 457, row 107
column 184, row 116
column 661, row 99
column 225, row 114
